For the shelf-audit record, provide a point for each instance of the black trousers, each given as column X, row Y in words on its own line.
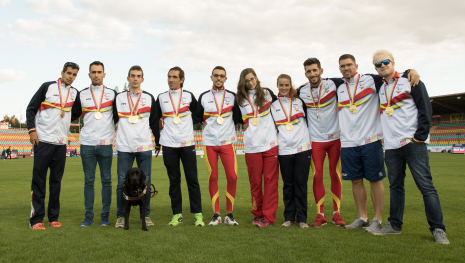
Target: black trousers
column 171, row 157
column 294, row 171
column 47, row 156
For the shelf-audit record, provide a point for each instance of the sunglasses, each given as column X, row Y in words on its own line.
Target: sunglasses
column 71, row 64
column 385, row 62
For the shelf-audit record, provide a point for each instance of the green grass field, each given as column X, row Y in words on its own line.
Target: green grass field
column 243, row 243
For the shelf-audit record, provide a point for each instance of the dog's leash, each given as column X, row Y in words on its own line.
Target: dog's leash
column 154, row 193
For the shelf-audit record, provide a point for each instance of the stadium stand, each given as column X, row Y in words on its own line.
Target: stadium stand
column 18, row 139
column 447, row 134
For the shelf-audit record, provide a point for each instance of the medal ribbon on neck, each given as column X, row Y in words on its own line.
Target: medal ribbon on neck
column 219, row 109
column 176, row 110
column 392, row 91
column 352, row 97
column 288, row 117
column 319, row 94
column 97, row 106
column 62, row 104
column 254, row 108
column 134, row 107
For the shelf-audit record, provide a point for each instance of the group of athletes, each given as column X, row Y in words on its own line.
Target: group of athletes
column 344, row 118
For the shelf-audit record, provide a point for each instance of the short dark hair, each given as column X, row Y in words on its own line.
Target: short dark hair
column 346, row 56
column 181, row 73
column 97, row 63
column 138, row 68
column 311, row 61
column 71, row 65
column 219, row 67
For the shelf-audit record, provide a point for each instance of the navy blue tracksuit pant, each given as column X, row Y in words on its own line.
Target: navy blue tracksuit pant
column 171, row 157
column 47, row 156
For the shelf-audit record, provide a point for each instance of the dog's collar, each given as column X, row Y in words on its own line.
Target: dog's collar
column 135, row 198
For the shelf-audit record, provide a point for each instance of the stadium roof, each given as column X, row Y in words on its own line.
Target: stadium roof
column 447, row 104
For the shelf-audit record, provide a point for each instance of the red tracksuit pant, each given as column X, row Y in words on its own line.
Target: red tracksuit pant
column 319, row 150
column 263, row 169
column 228, row 158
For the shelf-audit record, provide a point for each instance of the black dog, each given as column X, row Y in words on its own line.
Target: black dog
column 134, row 191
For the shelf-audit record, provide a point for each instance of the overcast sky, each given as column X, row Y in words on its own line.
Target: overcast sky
column 38, row 36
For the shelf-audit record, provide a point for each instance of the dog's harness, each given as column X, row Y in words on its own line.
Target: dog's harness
column 141, row 193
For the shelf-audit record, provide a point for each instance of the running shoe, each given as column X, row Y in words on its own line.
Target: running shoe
column 337, row 220
column 263, row 223
column 87, row 222
column 440, row 236
column 105, row 221
column 119, row 222
column 288, row 223
column 358, row 223
column 198, row 220
column 216, row 219
column 375, row 225
column 256, row 220
column 319, row 221
column 148, row 222
column 54, row 224
column 386, row 230
column 176, row 220
column 302, row 225
column 229, row 219
column 37, row 226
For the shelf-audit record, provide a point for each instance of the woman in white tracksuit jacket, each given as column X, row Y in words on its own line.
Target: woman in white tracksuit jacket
column 261, row 147
column 289, row 113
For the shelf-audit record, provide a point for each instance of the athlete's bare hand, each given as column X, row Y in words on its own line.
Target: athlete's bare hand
column 245, row 126
column 204, row 124
column 157, row 151
column 34, row 138
column 413, row 77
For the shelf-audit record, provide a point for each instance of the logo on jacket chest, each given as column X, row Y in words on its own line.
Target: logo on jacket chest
column 142, row 102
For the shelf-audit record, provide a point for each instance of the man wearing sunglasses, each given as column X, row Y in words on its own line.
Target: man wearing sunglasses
column 219, row 112
column 361, row 149
column 48, row 119
column 406, row 114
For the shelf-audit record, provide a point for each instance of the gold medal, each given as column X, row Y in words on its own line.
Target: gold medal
column 177, row 120
column 389, row 111
column 219, row 120
column 289, row 127
column 98, row 115
column 255, row 121
column 62, row 104
column 353, row 109
column 133, row 119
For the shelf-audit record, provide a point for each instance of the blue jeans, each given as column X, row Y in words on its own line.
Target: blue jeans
column 90, row 156
column 125, row 162
column 416, row 156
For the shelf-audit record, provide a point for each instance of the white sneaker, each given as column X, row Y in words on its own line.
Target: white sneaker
column 119, row 222
column 215, row 220
column 288, row 223
column 229, row 219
